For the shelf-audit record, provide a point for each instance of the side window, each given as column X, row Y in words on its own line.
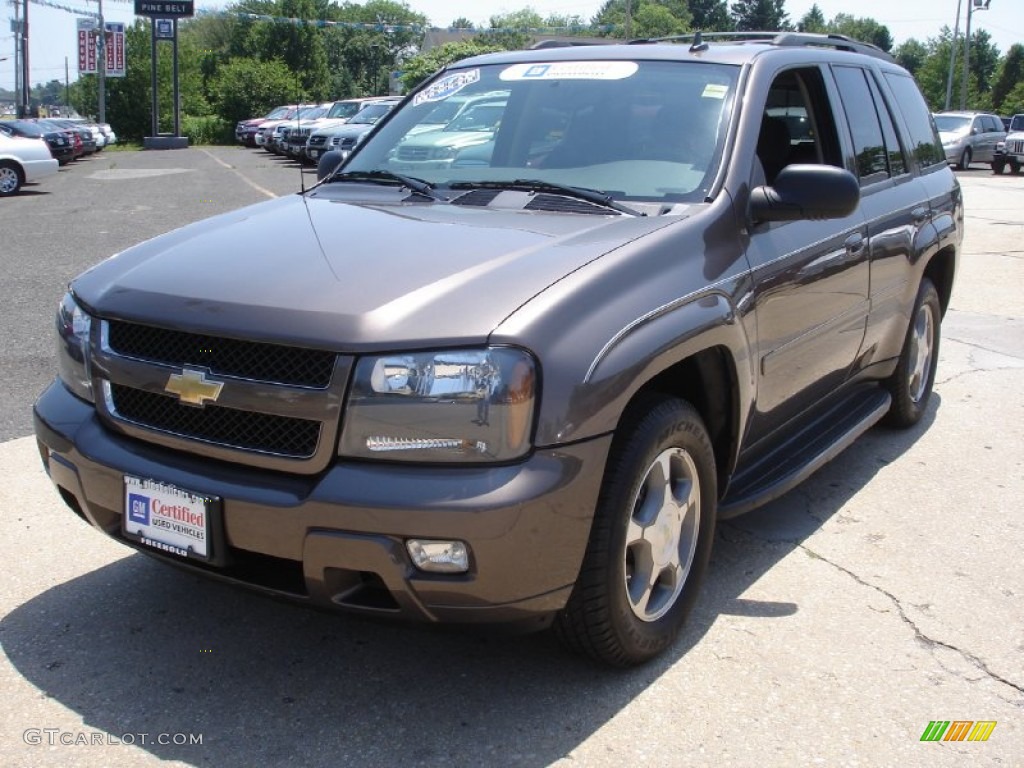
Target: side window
column 994, row 124
column 872, row 163
column 897, row 163
column 797, row 125
column 924, row 137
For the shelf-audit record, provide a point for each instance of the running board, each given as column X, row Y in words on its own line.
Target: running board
column 807, row 452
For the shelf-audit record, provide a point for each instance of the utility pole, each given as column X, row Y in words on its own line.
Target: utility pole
column 101, row 69
column 16, row 29
column 26, row 88
column 952, row 57
column 981, row 5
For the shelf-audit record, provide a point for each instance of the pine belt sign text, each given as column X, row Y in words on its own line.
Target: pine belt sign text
column 165, row 8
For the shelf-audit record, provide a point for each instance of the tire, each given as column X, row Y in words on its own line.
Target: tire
column 11, row 178
column 1014, row 168
column 998, row 166
column 911, row 383
column 651, row 537
column 965, row 160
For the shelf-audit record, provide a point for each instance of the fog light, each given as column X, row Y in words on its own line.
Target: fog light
column 439, row 556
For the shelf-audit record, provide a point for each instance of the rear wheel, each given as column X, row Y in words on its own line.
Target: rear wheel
column 10, row 178
column 651, row 537
column 911, row 384
column 965, row 159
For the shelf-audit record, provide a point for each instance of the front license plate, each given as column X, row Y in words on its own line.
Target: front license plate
column 314, row 153
column 168, row 518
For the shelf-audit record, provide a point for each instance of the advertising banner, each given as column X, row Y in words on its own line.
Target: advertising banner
column 86, row 46
column 115, row 48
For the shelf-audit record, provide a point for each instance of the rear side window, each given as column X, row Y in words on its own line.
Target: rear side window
column 924, row 138
column 872, row 163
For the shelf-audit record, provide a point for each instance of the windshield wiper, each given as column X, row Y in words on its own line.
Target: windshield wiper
column 419, row 186
column 536, row 185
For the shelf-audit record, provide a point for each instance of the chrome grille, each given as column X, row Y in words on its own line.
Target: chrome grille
column 317, row 141
column 1015, row 147
column 413, row 153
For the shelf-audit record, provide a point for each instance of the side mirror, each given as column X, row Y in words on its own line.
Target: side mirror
column 806, row 192
column 328, row 164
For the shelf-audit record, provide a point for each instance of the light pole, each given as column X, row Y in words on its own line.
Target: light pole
column 952, row 58
column 980, row 5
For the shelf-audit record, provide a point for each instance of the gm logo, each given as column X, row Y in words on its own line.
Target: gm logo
column 138, row 508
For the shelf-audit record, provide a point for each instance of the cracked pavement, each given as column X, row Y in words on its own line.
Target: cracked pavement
column 834, row 624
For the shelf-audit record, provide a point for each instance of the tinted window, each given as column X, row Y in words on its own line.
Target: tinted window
column 924, row 138
column 897, row 163
column 867, row 132
column 992, row 123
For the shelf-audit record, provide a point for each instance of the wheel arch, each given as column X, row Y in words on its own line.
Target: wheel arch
column 708, row 380
column 941, row 270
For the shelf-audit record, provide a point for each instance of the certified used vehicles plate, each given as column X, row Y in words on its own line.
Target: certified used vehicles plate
column 168, row 518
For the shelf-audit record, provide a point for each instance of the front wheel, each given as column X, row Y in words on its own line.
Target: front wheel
column 911, row 383
column 651, row 537
column 965, row 160
column 998, row 166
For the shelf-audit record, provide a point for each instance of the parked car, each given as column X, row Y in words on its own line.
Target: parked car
column 345, row 137
column 969, row 137
column 245, row 130
column 472, row 126
column 84, row 132
column 23, row 160
column 523, row 391
column 61, row 145
column 1010, row 152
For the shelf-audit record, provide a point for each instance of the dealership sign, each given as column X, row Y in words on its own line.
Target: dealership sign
column 170, row 9
column 88, row 53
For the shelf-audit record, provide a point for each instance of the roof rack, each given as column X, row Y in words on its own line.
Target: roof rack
column 839, row 42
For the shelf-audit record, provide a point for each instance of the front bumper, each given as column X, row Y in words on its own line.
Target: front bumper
column 337, row 540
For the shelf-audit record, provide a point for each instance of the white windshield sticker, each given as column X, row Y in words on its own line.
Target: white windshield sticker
column 571, row 70
column 714, row 91
column 446, row 86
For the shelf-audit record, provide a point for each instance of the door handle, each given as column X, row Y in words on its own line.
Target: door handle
column 854, row 245
column 920, row 214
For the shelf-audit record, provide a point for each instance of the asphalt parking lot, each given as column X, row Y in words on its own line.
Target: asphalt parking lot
column 835, row 624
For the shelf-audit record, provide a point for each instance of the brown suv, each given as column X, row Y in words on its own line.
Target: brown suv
column 521, row 383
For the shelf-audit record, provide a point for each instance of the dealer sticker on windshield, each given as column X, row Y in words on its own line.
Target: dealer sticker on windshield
column 571, row 70
column 167, row 518
column 446, row 86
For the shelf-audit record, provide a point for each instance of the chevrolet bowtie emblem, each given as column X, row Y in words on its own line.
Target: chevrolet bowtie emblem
column 193, row 388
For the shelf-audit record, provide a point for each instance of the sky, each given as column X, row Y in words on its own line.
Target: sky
column 52, row 30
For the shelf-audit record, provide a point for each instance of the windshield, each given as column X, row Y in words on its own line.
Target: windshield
column 635, row 130
column 371, row 113
column 344, row 109
column 1017, row 123
column 278, row 113
column 952, row 123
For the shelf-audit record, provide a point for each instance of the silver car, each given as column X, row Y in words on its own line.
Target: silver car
column 969, row 136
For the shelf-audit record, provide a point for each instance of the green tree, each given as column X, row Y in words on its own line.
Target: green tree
column 649, row 18
column 757, row 15
column 866, row 30
column 1013, row 102
column 710, row 15
column 910, row 55
column 1009, row 77
column 813, row 21
column 419, row 68
column 461, row 23
column 246, row 87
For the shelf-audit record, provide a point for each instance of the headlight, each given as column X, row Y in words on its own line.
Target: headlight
column 73, row 327
column 461, row 405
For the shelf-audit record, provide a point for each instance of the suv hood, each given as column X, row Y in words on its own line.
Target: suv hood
column 324, row 271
